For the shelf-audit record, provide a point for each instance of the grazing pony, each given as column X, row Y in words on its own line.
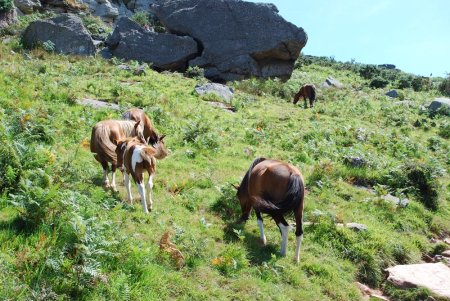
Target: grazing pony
column 104, row 137
column 306, row 91
column 275, row 188
column 136, row 114
column 136, row 157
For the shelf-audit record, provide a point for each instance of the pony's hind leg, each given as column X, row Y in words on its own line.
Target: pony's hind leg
column 298, row 232
column 259, row 220
column 128, row 187
column 105, row 172
column 141, row 188
column 284, row 229
column 113, row 177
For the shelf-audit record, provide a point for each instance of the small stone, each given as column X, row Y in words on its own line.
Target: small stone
column 220, row 90
column 357, row 227
column 395, row 200
column 124, row 67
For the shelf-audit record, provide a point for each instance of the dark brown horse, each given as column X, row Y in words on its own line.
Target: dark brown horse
column 306, row 91
column 136, row 157
column 275, row 188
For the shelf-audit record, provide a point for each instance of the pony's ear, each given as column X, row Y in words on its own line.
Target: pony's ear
column 161, row 137
column 235, row 186
column 148, row 140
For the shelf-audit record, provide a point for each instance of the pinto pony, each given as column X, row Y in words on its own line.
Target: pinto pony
column 306, row 91
column 136, row 157
column 275, row 188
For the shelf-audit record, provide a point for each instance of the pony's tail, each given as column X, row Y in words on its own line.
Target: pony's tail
column 294, row 197
column 313, row 93
column 101, row 145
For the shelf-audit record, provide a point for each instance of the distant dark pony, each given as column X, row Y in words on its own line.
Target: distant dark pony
column 275, row 188
column 306, row 91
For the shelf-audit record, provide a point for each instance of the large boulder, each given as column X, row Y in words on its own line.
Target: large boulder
column 439, row 104
column 130, row 41
column 66, row 32
column 433, row 276
column 7, row 17
column 27, row 6
column 239, row 39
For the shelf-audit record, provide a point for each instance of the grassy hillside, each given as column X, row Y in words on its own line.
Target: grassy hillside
column 63, row 237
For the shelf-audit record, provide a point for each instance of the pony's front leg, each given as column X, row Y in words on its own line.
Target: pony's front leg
column 259, row 220
column 141, row 188
column 128, row 187
column 150, row 190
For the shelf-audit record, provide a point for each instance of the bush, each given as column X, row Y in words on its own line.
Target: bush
column 5, row 5
column 369, row 72
column 10, row 168
column 194, row 72
column 444, row 86
column 142, row 18
column 417, row 178
column 404, row 82
column 378, row 82
column 96, row 27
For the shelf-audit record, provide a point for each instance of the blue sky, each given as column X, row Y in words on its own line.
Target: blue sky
column 414, row 35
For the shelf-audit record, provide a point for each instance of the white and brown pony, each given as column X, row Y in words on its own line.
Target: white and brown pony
column 275, row 188
column 136, row 157
column 306, row 91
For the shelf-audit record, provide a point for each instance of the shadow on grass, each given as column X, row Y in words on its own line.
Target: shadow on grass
column 228, row 208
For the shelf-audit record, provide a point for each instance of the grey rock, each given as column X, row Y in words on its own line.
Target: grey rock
column 357, row 227
column 331, row 82
column 130, row 41
column 387, row 66
column 105, row 9
column 239, row 39
column 7, row 17
column 98, row 104
column 27, row 6
column 395, row 200
column 124, row 67
column 220, row 90
column 446, row 253
column 355, row 161
column 140, row 70
column 106, row 53
column 406, row 103
column 433, row 276
column 66, row 31
column 439, row 103
column 392, row 93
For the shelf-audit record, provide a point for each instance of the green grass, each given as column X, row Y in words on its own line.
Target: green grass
column 63, row 237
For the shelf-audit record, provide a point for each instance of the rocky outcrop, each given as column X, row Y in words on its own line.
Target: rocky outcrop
column 222, row 91
column 439, row 104
column 66, row 32
column 7, row 17
column 103, row 9
column 238, row 39
column 331, row 82
column 27, row 6
column 392, row 94
column 433, row 276
column 130, row 41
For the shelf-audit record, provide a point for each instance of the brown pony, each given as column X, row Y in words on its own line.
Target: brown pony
column 104, row 137
column 306, row 91
column 275, row 188
column 136, row 114
column 136, row 157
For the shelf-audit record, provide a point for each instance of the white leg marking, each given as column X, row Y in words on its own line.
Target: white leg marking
column 297, row 248
column 113, row 181
column 105, row 178
column 141, row 188
column 284, row 237
column 262, row 236
column 128, row 187
column 150, row 189
column 136, row 157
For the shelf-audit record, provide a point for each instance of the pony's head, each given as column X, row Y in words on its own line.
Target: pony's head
column 161, row 150
column 244, row 201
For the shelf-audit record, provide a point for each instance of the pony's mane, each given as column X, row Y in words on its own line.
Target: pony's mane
column 128, row 127
column 243, row 188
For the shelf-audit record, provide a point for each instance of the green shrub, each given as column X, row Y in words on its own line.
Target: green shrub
column 444, row 86
column 404, row 82
column 96, row 26
column 417, row 178
column 5, row 5
column 231, row 260
column 369, row 72
column 378, row 82
column 194, row 72
column 142, row 18
column 10, row 167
